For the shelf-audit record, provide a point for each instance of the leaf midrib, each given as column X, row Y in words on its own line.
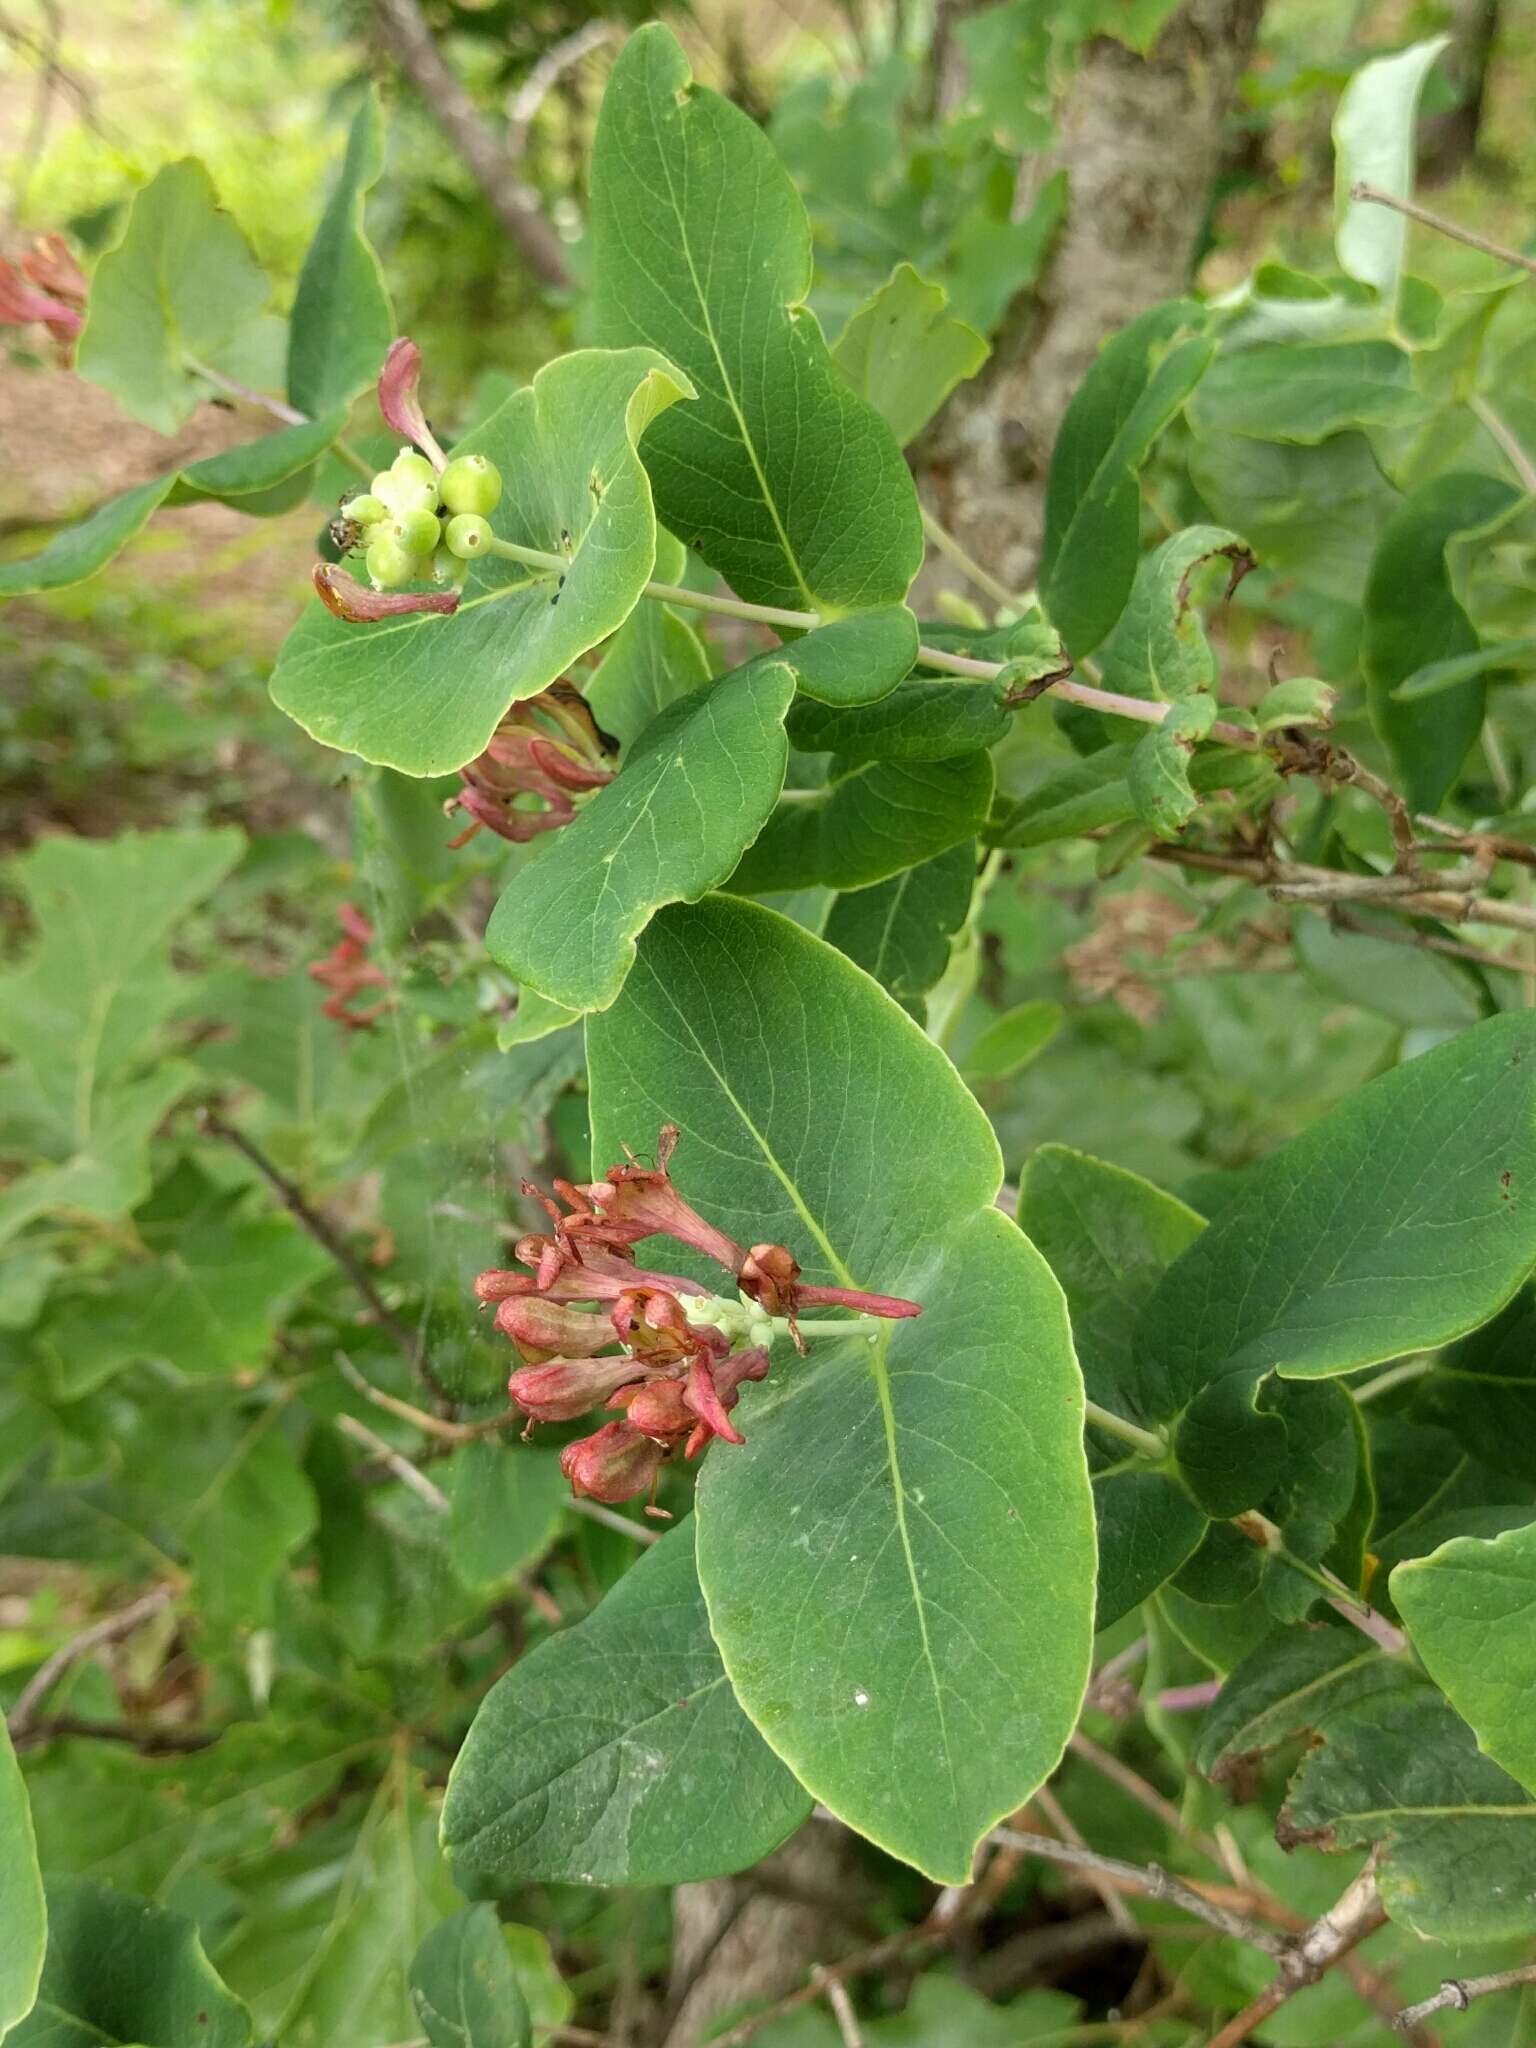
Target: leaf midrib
column 878, row 1371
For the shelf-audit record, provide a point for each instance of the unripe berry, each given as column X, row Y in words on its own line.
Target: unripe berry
column 468, row 535
column 416, row 467
column 402, row 494
column 389, row 564
column 471, row 483
column 365, row 509
column 447, row 568
column 419, row 532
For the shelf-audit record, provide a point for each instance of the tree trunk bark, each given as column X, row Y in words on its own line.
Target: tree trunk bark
column 1449, row 141
column 1139, row 140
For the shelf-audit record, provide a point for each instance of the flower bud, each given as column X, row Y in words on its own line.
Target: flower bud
column 612, row 1465
column 418, row 531
column 471, row 483
column 468, row 535
column 563, row 1388
column 658, row 1408
column 541, row 1328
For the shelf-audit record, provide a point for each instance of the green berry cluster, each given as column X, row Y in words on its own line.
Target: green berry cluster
column 413, row 524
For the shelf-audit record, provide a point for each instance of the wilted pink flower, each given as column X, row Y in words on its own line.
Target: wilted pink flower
column 771, row 1276
column 524, row 758
column 358, row 603
column 400, row 404
column 613, row 1464
column 346, row 971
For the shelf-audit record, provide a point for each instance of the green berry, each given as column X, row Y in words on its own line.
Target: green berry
column 401, row 494
column 416, row 467
column 471, row 483
column 447, row 568
column 389, row 564
column 468, row 535
column 418, row 532
column 365, row 509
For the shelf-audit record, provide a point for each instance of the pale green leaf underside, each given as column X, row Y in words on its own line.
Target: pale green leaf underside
column 697, row 786
column 781, row 477
column 899, row 1563
column 424, row 693
column 903, row 352
column 1373, row 140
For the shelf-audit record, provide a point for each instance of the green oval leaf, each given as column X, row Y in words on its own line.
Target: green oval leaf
column 464, row 1987
column 1468, row 1609
column 342, row 323
column 121, row 1973
column 1373, row 142
column 615, row 1753
column 23, row 1917
column 904, row 353
column 79, row 551
column 781, row 477
column 181, row 287
column 424, row 693
column 696, row 787
column 870, row 822
column 899, row 1562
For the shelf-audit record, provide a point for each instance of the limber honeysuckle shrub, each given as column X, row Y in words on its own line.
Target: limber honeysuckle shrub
column 1258, row 1450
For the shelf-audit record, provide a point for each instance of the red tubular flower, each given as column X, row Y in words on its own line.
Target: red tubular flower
column 771, row 1276
column 400, row 403
column 676, row 1380
column 346, row 971
column 563, row 1388
column 358, row 603
column 613, row 1464
column 541, row 1328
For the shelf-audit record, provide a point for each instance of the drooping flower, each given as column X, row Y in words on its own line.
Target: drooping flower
column 683, row 1354
column 358, row 603
column 346, row 971
column 547, row 747
column 400, row 401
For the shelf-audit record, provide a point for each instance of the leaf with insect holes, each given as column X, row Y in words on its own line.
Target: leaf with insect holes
column 423, row 693
column 899, row 1562
column 781, row 477
column 1159, row 650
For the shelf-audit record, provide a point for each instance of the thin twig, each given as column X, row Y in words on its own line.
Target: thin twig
column 1152, row 1881
column 1425, row 942
column 1068, row 1832
column 1374, row 196
column 874, row 1958
column 275, row 406
column 1136, row 1787
column 1356, row 1913
column 396, row 1462
column 1457, row 1993
column 321, row 1230
column 842, row 2009
column 941, row 538
column 560, row 57
column 1284, row 878
column 434, row 1425
column 514, row 202
column 1510, row 446
column 610, row 1518
column 111, row 1630
column 147, row 1741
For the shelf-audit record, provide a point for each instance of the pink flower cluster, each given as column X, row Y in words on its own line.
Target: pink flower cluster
column 676, row 1380
column 48, row 287
column 548, row 747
